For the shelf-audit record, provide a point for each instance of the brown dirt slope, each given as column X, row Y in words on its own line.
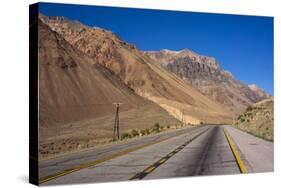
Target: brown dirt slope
column 138, row 72
column 76, row 96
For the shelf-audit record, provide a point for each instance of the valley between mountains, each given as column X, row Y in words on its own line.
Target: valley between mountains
column 84, row 70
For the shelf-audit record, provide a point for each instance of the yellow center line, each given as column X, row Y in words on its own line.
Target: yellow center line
column 98, row 161
column 162, row 160
column 150, row 169
column 77, row 168
column 239, row 161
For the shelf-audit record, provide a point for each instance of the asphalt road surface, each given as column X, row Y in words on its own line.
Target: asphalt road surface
column 62, row 163
column 205, row 150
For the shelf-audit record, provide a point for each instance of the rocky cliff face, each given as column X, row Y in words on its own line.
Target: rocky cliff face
column 169, row 56
column 103, row 46
column 205, row 74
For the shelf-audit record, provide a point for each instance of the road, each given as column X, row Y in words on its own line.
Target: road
column 206, row 150
column 62, row 163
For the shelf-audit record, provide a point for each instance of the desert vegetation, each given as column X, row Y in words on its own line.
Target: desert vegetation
column 156, row 128
column 258, row 119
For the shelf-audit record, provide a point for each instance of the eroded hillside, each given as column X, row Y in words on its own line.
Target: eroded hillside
column 205, row 74
column 139, row 73
column 258, row 119
column 76, row 97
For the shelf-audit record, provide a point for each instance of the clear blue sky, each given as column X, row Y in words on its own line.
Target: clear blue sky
column 241, row 44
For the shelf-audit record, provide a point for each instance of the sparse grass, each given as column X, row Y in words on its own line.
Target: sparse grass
column 258, row 120
column 249, row 108
column 156, row 128
column 134, row 133
column 262, row 136
column 125, row 136
column 147, row 131
column 143, row 132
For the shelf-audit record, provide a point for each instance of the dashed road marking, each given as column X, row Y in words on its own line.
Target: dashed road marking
column 162, row 160
column 152, row 167
column 98, row 161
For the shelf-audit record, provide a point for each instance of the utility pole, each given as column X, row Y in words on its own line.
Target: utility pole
column 116, row 122
column 183, row 121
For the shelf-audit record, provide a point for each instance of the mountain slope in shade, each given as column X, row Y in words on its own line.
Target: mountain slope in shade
column 205, row 74
column 138, row 72
column 76, row 96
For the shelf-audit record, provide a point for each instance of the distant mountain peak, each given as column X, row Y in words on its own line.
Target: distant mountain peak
column 55, row 21
column 175, row 52
column 260, row 92
column 166, row 56
column 169, row 51
column 253, row 86
column 55, row 18
column 186, row 50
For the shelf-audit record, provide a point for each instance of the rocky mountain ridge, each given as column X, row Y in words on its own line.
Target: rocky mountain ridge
column 259, row 91
column 205, row 74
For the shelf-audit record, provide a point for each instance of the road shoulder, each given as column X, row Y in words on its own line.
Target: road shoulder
column 257, row 153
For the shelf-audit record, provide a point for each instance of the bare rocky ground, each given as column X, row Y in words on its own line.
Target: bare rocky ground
column 81, row 135
column 258, row 119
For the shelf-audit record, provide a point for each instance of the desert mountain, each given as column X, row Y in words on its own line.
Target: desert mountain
column 260, row 92
column 76, row 96
column 139, row 72
column 258, row 119
column 205, row 74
